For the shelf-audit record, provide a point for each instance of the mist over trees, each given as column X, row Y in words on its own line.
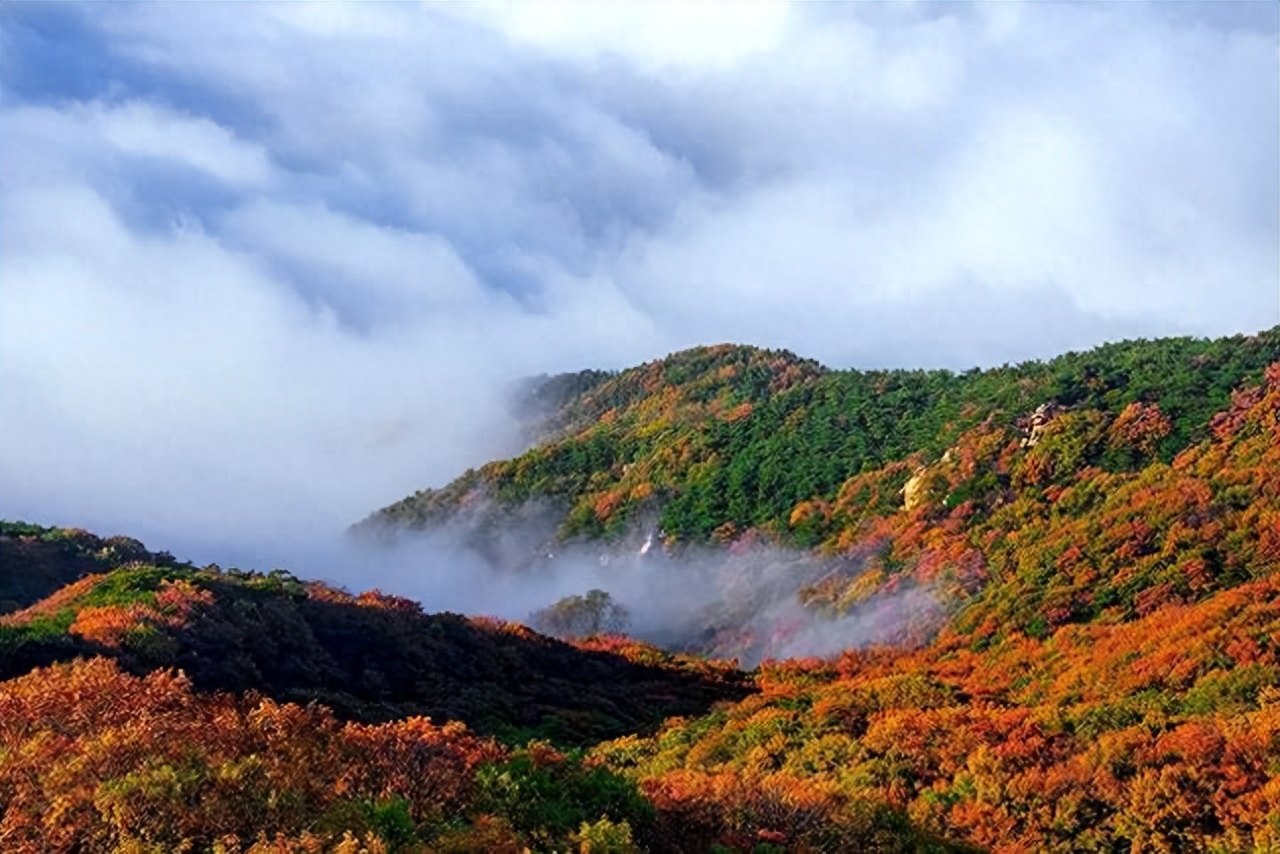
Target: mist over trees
column 581, row 616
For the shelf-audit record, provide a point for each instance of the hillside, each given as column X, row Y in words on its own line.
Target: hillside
column 40, row 560
column 1091, row 487
column 1043, row 603
column 719, row 439
column 1111, row 681
column 133, row 718
column 370, row 657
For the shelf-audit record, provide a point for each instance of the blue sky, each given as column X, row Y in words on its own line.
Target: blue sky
column 266, row 267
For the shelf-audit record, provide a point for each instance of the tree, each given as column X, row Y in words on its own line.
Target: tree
column 580, row 616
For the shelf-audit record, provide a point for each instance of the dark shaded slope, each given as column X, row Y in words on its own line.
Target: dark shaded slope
column 35, row 560
column 369, row 657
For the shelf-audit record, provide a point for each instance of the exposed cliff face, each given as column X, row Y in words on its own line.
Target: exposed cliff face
column 914, row 490
column 1034, row 425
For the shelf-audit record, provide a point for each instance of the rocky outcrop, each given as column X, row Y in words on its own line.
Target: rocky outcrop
column 915, row 489
column 1033, row 426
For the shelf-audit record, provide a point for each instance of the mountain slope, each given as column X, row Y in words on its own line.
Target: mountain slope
column 1034, row 538
column 719, row 439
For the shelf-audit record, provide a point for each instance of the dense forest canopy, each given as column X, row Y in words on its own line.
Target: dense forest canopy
column 736, row 436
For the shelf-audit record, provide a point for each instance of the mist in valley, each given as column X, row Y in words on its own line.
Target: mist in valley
column 740, row 600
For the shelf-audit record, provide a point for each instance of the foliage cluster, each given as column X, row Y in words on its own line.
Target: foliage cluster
column 94, row 759
column 581, row 616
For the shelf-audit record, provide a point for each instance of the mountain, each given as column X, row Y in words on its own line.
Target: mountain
column 1094, row 486
column 715, row 440
column 1034, row 608
column 1109, row 675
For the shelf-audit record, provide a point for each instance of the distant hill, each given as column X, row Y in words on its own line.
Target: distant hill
column 1094, row 486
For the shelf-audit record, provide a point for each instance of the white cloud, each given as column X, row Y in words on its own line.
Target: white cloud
column 714, row 34
column 176, row 385
column 82, row 138
column 384, row 268
column 172, row 380
column 140, row 129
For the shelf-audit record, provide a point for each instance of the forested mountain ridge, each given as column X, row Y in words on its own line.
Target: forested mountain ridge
column 1112, row 683
column 715, row 440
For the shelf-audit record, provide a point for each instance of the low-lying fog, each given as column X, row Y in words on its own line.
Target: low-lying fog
column 738, row 601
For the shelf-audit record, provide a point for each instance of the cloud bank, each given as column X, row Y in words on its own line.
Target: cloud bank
column 264, row 269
